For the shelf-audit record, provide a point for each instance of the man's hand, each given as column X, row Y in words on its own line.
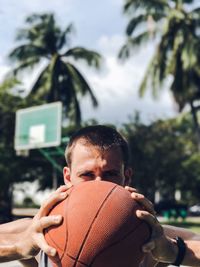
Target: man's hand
column 32, row 239
column 161, row 247
column 141, row 199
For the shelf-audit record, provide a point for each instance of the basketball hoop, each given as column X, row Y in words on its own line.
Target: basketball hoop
column 38, row 127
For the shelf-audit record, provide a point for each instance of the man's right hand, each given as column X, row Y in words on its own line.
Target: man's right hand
column 31, row 240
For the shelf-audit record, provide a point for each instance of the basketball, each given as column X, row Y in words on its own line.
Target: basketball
column 99, row 229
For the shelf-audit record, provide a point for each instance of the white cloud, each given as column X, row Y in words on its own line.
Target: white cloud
column 117, row 87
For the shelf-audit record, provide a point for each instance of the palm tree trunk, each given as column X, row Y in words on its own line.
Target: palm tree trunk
column 194, row 111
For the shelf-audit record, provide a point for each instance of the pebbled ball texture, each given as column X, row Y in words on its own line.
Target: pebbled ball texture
column 99, row 229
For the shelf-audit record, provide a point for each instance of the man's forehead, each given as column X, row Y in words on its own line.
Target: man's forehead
column 85, row 144
column 92, row 157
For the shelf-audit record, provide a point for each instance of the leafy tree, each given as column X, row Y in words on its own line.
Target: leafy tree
column 175, row 26
column 44, row 41
column 164, row 157
column 15, row 169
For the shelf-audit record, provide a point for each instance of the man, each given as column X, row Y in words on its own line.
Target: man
column 23, row 239
column 100, row 153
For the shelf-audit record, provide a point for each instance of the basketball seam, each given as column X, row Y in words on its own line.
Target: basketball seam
column 113, row 244
column 49, row 235
column 65, row 212
column 87, row 234
column 76, row 261
column 54, row 242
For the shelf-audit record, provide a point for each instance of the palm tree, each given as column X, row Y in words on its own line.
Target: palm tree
column 174, row 25
column 43, row 40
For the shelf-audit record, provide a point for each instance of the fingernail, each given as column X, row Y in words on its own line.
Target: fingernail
column 57, row 218
column 138, row 213
column 52, row 252
column 63, row 194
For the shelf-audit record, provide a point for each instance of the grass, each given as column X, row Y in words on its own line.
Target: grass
column 191, row 223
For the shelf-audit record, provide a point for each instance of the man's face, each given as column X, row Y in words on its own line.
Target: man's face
column 91, row 163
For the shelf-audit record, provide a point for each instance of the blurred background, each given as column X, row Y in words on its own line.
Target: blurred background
column 130, row 64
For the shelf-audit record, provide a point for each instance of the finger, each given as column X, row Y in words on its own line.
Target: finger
column 50, row 202
column 48, row 221
column 148, row 246
column 147, row 204
column 148, row 217
column 131, row 189
column 64, row 188
column 42, row 244
column 69, row 185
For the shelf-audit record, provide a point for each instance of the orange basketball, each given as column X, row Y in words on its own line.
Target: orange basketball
column 100, row 228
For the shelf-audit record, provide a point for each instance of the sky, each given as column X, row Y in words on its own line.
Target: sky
column 100, row 25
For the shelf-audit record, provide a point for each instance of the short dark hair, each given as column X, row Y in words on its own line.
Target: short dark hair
column 104, row 137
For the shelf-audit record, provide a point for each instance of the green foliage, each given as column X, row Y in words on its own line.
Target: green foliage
column 44, row 41
column 14, row 169
column 177, row 53
column 175, row 27
column 164, row 157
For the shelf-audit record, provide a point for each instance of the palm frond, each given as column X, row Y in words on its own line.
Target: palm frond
column 151, row 78
column 135, row 22
column 194, row 11
column 9, row 82
column 194, row 18
column 26, row 52
column 54, row 73
column 76, row 110
column 143, row 19
column 189, row 58
column 68, row 93
column 188, row 1
column 25, row 65
column 132, row 44
column 43, row 38
column 39, row 25
column 81, row 84
column 133, row 5
column 33, row 18
column 39, row 82
column 66, row 85
column 91, row 57
column 164, row 56
column 65, row 36
column 125, row 51
column 140, row 39
column 144, row 84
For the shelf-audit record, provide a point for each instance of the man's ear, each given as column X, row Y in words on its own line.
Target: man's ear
column 66, row 174
column 128, row 173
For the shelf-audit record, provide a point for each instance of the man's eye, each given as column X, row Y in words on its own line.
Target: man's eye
column 87, row 174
